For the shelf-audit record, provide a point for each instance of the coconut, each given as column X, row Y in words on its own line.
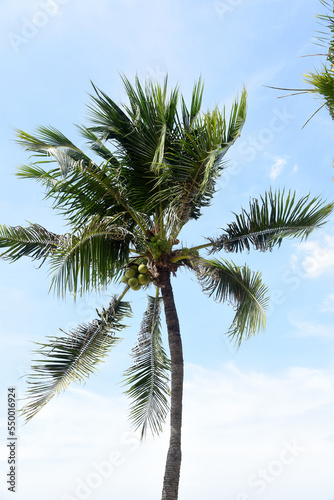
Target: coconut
column 130, row 273
column 124, row 279
column 136, row 288
column 142, row 269
column 133, row 282
column 143, row 279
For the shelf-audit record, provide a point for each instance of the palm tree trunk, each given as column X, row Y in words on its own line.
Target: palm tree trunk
column 173, row 462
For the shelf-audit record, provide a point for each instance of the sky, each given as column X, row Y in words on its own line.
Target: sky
column 258, row 421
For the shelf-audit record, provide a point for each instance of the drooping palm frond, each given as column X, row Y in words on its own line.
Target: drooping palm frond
column 34, row 241
column 272, row 218
column 73, row 357
column 243, row 288
column 88, row 190
column 148, row 377
column 50, row 143
column 79, row 187
column 90, row 258
column 98, row 146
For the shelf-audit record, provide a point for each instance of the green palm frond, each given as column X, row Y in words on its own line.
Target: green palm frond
column 141, row 133
column 98, row 146
column 326, row 38
column 322, row 83
column 195, row 107
column 34, row 241
column 86, row 191
column 149, row 375
column 90, row 258
column 73, row 357
column 196, row 162
column 272, row 218
column 243, row 288
column 50, row 143
column 167, row 158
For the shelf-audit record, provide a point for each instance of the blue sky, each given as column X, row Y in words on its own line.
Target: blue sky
column 257, row 421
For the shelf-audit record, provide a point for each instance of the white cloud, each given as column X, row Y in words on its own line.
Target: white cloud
column 235, row 423
column 314, row 258
column 277, row 168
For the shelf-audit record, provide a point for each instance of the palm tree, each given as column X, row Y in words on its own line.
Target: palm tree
column 159, row 161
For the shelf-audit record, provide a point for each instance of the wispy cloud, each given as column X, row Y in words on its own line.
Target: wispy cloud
column 295, row 169
column 314, row 258
column 277, row 168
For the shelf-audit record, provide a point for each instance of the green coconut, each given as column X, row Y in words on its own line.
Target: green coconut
column 130, row 272
column 142, row 269
column 136, row 288
column 124, row 279
column 133, row 282
column 143, row 279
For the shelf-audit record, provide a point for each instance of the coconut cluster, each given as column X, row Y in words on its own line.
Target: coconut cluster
column 189, row 252
column 157, row 246
column 136, row 276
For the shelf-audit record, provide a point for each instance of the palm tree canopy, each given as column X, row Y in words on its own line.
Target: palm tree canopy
column 153, row 166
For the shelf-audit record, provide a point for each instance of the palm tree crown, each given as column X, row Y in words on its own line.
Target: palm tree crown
column 153, row 167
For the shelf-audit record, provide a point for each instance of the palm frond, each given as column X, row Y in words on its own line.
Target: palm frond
column 48, row 142
column 34, row 241
column 195, row 107
column 98, row 146
column 88, row 190
column 90, row 258
column 241, row 287
column 322, row 84
column 196, row 162
column 272, row 218
column 73, row 357
column 148, row 377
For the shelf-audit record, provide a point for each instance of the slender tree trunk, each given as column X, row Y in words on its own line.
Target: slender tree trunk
column 173, row 462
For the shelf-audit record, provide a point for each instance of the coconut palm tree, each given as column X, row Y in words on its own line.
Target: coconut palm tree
column 153, row 167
